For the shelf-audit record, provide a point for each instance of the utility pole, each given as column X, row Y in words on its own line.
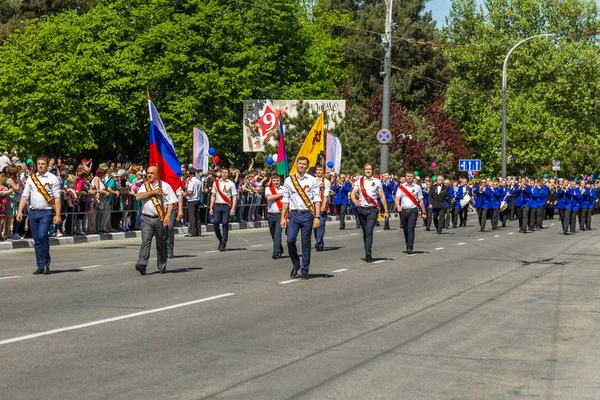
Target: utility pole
column 387, row 71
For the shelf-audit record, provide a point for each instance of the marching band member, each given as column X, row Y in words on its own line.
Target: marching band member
column 590, row 206
column 484, row 192
column 574, row 194
column 563, row 205
column 342, row 189
column 464, row 193
column 498, row 196
column 584, row 206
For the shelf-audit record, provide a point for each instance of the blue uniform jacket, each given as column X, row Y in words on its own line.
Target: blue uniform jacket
column 486, row 197
column 517, row 193
column 562, row 203
column 531, row 196
column 426, row 199
column 342, row 193
column 497, row 197
column 593, row 197
column 585, row 203
column 454, row 195
column 543, row 196
column 389, row 190
column 576, row 198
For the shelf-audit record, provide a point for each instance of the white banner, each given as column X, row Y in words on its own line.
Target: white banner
column 201, row 147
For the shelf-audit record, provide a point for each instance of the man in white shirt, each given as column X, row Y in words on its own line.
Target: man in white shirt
column 42, row 191
column 325, row 189
column 4, row 160
column 364, row 195
column 274, row 194
column 193, row 193
column 302, row 205
column 222, row 205
column 409, row 197
column 157, row 199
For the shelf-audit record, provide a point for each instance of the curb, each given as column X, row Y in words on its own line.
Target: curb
column 54, row 241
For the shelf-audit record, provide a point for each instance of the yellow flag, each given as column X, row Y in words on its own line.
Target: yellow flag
column 313, row 144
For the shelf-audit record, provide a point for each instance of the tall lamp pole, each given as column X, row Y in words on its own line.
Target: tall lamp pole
column 504, row 79
column 387, row 69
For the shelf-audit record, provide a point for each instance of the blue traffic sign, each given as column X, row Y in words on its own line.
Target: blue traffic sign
column 469, row 165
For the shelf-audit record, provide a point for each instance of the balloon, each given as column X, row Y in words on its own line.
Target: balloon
column 434, row 178
column 416, row 173
column 274, row 157
column 269, row 160
column 475, row 173
column 555, row 177
column 329, row 164
column 211, row 151
column 216, row 159
column 545, row 176
column 592, row 177
column 433, row 165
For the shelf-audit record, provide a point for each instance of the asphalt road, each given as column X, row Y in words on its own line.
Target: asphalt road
column 470, row 315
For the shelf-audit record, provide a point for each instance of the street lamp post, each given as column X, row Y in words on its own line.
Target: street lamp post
column 504, row 79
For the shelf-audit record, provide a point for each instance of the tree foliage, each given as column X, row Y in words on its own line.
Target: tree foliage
column 553, row 85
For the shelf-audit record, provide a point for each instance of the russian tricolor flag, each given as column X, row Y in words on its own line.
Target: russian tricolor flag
column 162, row 151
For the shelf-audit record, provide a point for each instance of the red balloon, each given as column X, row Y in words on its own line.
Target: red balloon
column 475, row 173
column 216, row 159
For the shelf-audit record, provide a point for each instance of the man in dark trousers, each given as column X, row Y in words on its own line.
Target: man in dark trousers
column 438, row 196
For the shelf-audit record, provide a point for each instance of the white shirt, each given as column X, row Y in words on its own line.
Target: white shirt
column 372, row 187
column 309, row 184
column 4, row 162
column 272, row 204
column 195, row 186
column 168, row 197
column 327, row 189
column 405, row 202
column 227, row 188
column 36, row 200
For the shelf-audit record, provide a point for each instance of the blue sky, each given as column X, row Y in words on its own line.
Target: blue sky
column 441, row 8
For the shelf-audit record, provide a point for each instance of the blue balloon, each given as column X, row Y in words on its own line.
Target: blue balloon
column 270, row 160
column 591, row 177
column 545, row 176
column 329, row 164
column 211, row 151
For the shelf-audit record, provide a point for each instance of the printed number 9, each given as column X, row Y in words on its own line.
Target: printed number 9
column 270, row 120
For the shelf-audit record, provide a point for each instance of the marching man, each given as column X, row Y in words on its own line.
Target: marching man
column 274, row 193
column 364, row 195
column 409, row 198
column 157, row 199
column 302, row 206
column 222, row 205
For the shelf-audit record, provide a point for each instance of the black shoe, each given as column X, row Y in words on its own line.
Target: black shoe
column 304, row 277
column 368, row 258
column 342, row 228
column 565, row 233
column 38, row 271
column 294, row 272
column 386, row 228
column 427, row 229
column 318, row 247
column 221, row 246
column 280, row 252
column 47, row 271
column 409, row 251
column 141, row 269
column 162, row 270
column 171, row 255
column 275, row 256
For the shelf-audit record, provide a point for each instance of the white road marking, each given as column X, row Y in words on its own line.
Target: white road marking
column 105, row 321
column 378, row 261
column 328, row 237
column 379, row 230
column 341, row 270
column 552, row 224
column 10, row 277
column 461, row 244
column 511, row 233
column 354, row 234
column 245, row 240
column 480, row 239
column 290, row 281
column 257, row 245
column 211, row 251
column 91, row 266
column 439, row 248
column 496, row 235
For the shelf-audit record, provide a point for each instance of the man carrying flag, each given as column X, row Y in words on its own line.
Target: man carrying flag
column 157, row 199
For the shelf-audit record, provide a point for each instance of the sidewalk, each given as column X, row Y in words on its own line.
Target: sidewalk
column 54, row 241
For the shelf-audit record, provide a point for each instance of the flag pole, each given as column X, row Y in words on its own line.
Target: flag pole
column 157, row 167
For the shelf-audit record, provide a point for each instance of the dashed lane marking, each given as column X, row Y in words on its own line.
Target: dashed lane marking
column 496, row 235
column 354, row 234
column 511, row 233
column 10, row 277
column 480, row 239
column 439, row 248
column 290, row 281
column 257, row 245
column 339, row 270
column 105, row 321
column 91, row 266
column 461, row 244
column 378, row 262
column 211, row 251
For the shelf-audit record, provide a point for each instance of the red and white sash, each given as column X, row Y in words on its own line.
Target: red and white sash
column 409, row 195
column 227, row 199
column 365, row 195
column 274, row 192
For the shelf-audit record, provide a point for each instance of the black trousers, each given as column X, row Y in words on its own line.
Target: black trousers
column 463, row 215
column 193, row 217
column 565, row 219
column 532, row 218
column 455, row 212
column 221, row 219
column 483, row 215
column 588, row 224
column 428, row 219
column 524, row 219
column 495, row 218
column 439, row 219
column 368, row 219
column 539, row 217
column 341, row 209
column 409, row 222
column 448, row 217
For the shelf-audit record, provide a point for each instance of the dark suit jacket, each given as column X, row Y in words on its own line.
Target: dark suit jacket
column 439, row 200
